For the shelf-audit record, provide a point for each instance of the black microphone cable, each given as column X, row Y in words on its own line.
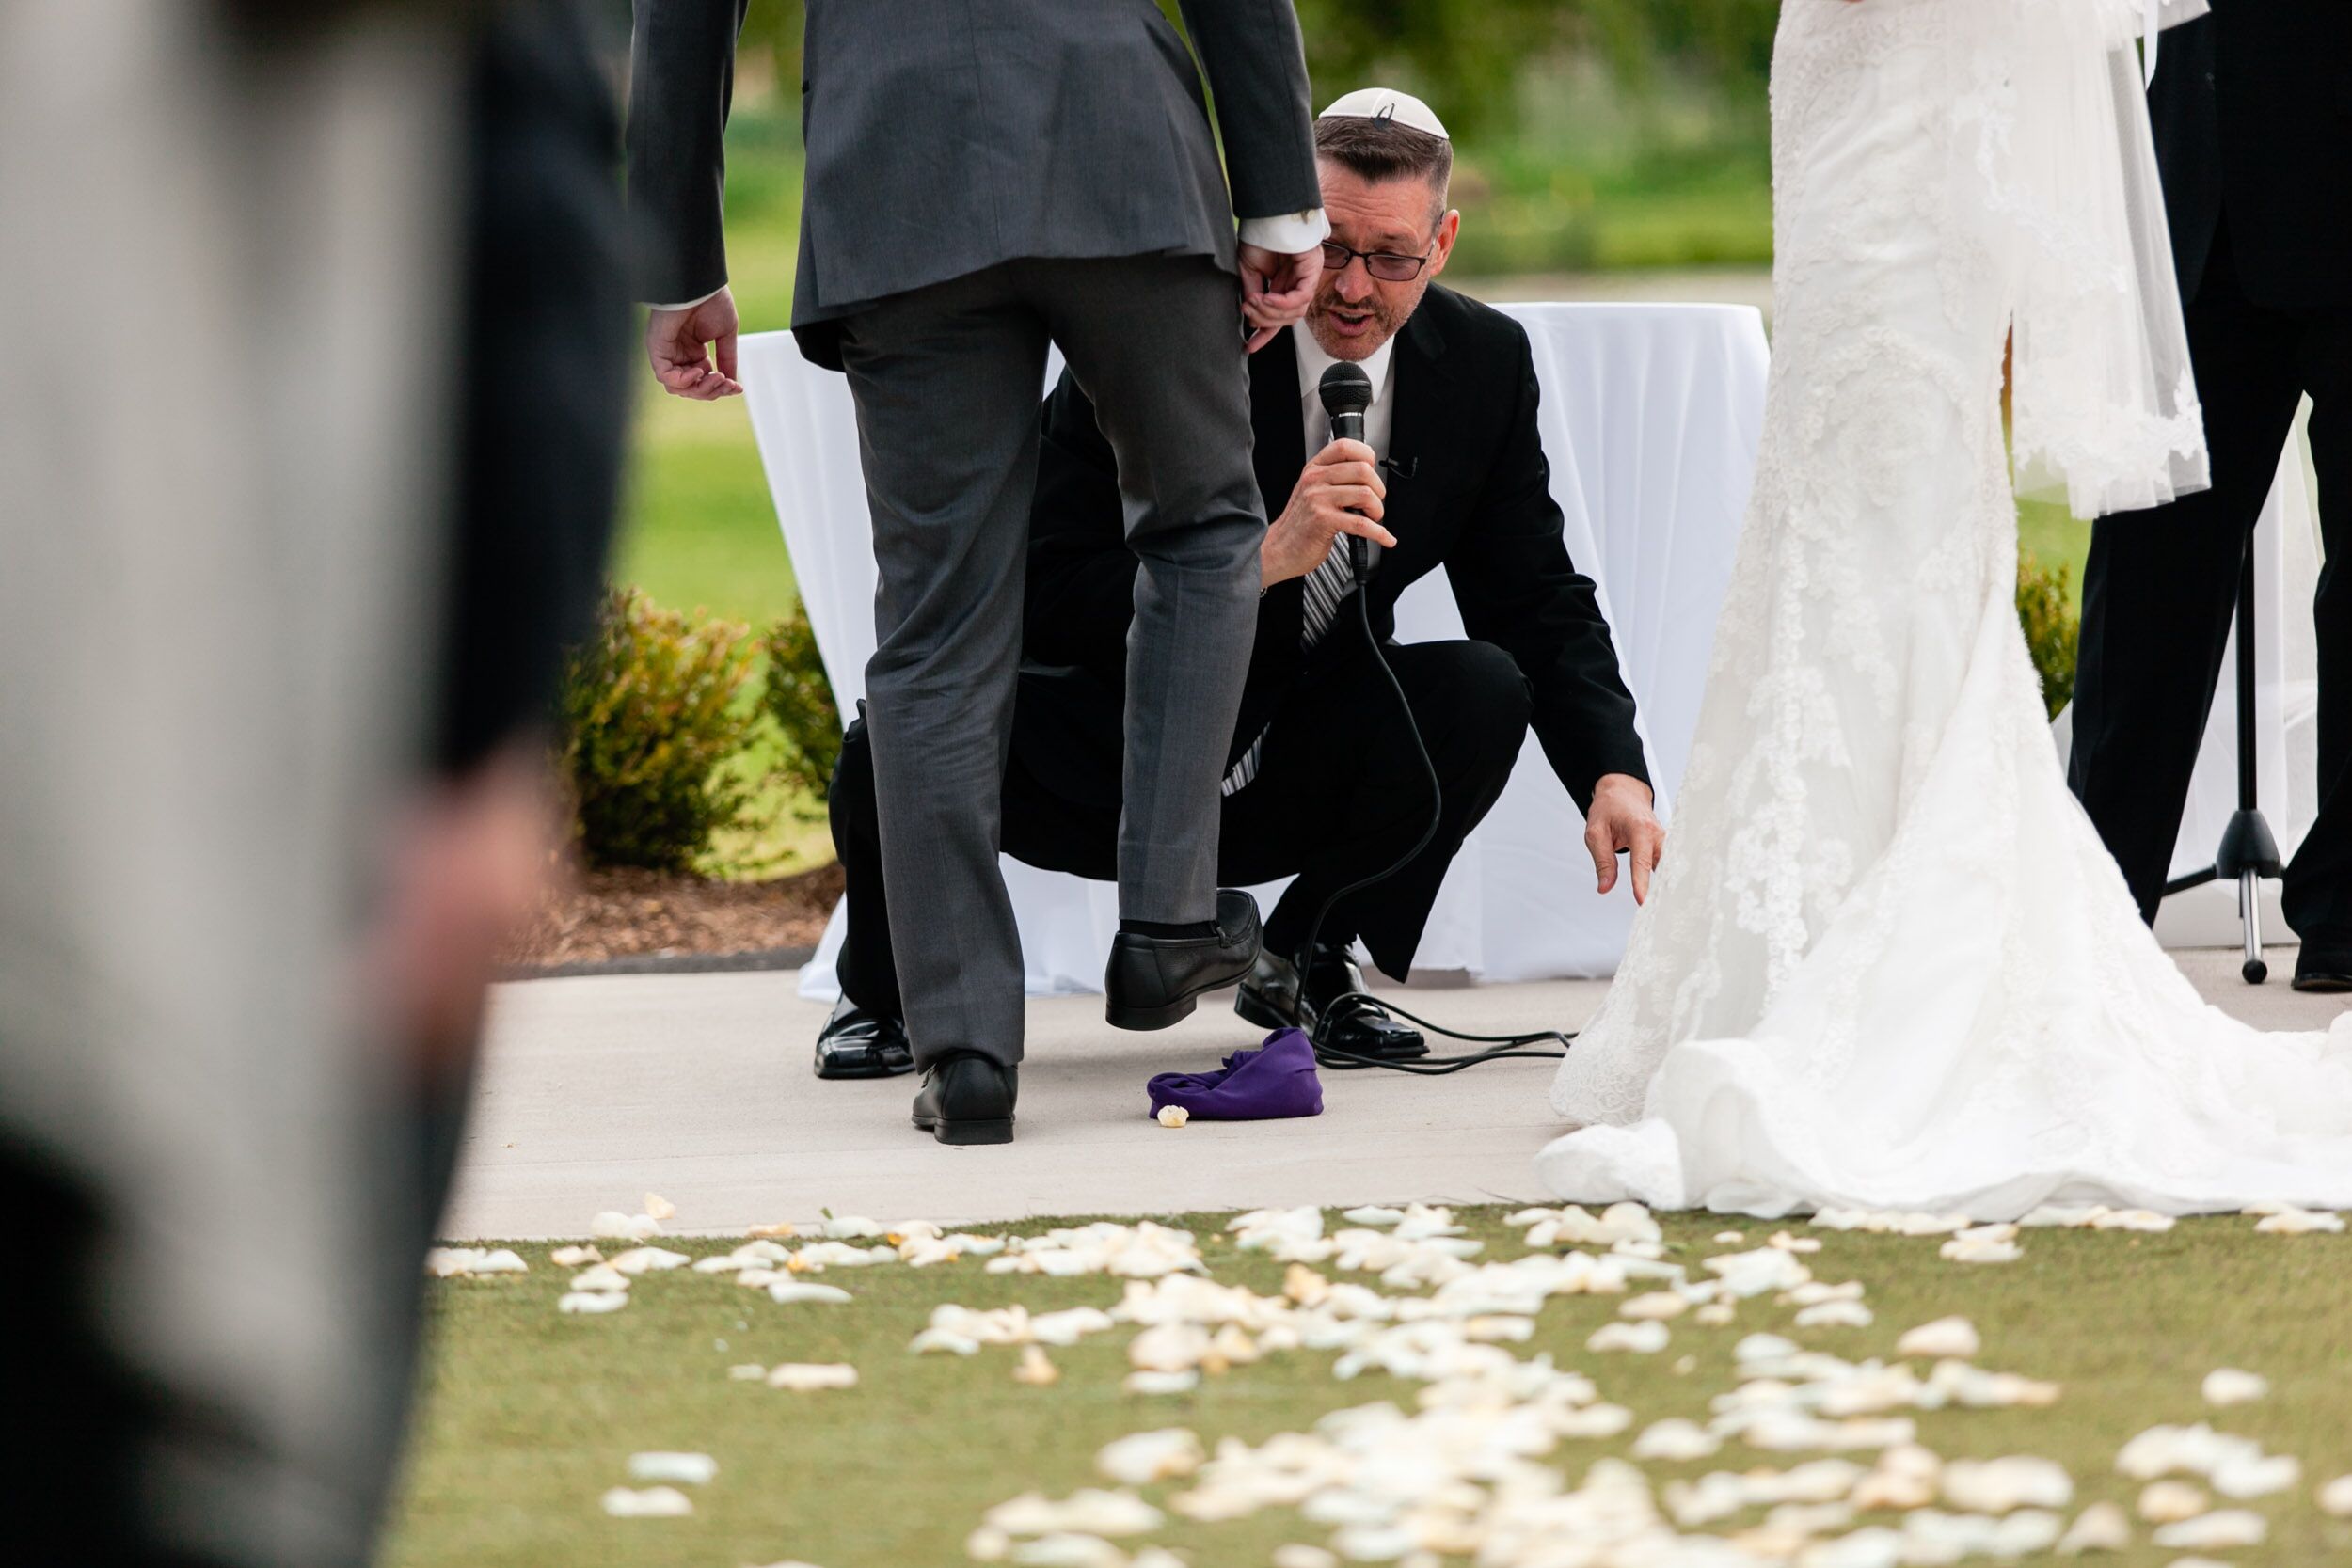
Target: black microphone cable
column 1500, row 1048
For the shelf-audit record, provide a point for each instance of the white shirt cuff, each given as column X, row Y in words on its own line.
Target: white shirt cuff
column 1290, row 235
column 689, row 305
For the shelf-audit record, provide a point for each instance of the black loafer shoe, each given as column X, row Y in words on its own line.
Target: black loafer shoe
column 1274, row 997
column 2324, row 967
column 1153, row 982
column 968, row 1098
column 855, row 1043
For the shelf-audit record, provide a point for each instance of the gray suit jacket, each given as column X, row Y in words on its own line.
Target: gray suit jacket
column 947, row 136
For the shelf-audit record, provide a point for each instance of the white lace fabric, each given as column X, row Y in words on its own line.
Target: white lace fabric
column 1888, row 961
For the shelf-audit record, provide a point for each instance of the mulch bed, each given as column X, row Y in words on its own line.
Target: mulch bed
column 602, row 917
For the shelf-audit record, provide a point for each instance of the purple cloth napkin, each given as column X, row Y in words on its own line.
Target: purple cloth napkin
column 1275, row 1079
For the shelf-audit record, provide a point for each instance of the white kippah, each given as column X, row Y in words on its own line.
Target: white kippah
column 1387, row 103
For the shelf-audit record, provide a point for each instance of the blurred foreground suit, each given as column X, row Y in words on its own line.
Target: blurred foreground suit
column 985, row 177
column 2253, row 110
column 272, row 572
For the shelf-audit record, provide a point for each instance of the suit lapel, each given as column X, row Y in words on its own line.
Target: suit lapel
column 1422, row 381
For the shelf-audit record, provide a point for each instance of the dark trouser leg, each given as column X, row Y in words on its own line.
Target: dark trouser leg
column 946, row 381
column 2318, row 900
column 1174, row 404
column 867, row 965
column 2161, row 585
column 1342, row 793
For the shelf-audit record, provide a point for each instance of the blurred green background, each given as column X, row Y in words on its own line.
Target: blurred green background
column 1605, row 149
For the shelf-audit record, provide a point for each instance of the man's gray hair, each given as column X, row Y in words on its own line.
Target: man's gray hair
column 1381, row 150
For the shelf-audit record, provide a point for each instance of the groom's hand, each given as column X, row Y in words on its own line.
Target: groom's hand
column 674, row 343
column 1275, row 289
column 1339, row 492
column 1622, row 819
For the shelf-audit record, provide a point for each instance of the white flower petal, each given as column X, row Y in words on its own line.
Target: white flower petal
column 679, row 1470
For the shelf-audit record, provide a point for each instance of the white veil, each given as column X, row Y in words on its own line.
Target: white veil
column 2105, row 410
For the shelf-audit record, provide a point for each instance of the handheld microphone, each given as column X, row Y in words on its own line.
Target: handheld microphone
column 1346, row 393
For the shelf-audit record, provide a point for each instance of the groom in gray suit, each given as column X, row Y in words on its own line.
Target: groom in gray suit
column 986, row 177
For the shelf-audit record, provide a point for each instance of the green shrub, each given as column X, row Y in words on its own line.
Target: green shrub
column 2052, row 631
column 655, row 706
column 800, row 698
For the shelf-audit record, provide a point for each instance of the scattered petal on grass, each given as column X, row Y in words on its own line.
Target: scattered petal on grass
column 1035, row 1370
column 1656, row 1304
column 1162, row 1383
column 647, row 1260
column 2226, row 1528
column 850, row 1228
column 1145, row 1457
column 2166, row 1502
column 1298, row 1555
column 1641, row 1339
column 804, row 1377
column 939, row 1341
column 659, row 1207
column 1173, row 1115
column 1069, row 1551
column 613, row 1224
column 1715, row 1314
column 1375, row 1215
column 601, row 1277
column 1089, row 1511
column 781, row 1231
column 1677, row 1440
column 987, row 1545
column 1835, row 1314
column 575, row 1257
column 654, row 1502
column 1730, row 1238
column 2301, row 1222
column 591, row 1302
column 1789, row 1242
column 2226, row 1385
column 1945, row 1339
column 785, row 1292
column 1984, row 1243
column 2004, row 1486
column 2100, row 1528
column 749, row 1371
column 2249, row 1477
column 2335, row 1499
column 678, row 1470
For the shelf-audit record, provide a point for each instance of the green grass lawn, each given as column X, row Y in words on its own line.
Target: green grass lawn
column 530, row 1415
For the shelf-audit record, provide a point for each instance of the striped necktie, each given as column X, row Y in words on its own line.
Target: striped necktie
column 1327, row 588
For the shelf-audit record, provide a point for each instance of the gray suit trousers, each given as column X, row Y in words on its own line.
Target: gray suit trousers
column 948, row 381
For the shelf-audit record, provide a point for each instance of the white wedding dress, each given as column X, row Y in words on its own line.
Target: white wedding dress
column 1887, row 962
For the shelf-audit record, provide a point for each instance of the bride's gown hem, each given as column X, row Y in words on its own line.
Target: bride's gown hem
column 1887, row 962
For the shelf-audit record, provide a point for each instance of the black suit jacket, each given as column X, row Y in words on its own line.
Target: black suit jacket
column 1477, row 501
column 2253, row 110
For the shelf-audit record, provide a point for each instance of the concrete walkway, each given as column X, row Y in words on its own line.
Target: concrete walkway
column 599, row 1089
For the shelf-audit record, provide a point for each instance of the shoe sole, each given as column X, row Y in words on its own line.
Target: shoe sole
column 2322, row 985
column 1147, row 1018
column 987, row 1131
column 837, row 1072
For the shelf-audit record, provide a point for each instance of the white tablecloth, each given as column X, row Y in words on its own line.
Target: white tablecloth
column 1650, row 419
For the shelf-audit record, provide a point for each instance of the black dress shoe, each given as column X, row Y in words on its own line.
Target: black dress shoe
column 1152, row 982
column 2324, row 966
column 1275, row 997
column 855, row 1043
column 968, row 1098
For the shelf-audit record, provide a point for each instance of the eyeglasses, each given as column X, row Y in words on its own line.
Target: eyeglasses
column 1386, row 265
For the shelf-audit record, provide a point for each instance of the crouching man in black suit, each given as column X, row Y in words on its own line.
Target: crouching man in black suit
column 1323, row 779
